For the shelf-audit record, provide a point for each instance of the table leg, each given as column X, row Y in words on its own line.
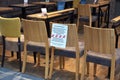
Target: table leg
column 48, row 27
column 98, row 17
column 108, row 15
column 23, row 12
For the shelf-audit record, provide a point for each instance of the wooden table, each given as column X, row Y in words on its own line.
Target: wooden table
column 23, row 8
column 101, row 5
column 45, row 4
column 52, row 16
column 5, row 10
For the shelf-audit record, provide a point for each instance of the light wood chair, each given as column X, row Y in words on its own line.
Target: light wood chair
column 85, row 15
column 115, row 24
column 74, row 49
column 10, row 31
column 35, row 34
column 100, row 48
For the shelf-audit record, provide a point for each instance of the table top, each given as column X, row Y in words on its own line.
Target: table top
column 40, row 16
column 50, row 14
column 22, row 5
column 103, row 3
column 3, row 9
column 45, row 3
column 63, row 0
column 115, row 19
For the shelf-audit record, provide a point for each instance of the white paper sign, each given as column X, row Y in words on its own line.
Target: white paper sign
column 25, row 1
column 95, row 1
column 59, row 35
column 47, row 0
column 44, row 11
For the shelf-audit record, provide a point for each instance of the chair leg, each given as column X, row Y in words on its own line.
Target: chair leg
column 112, row 73
column 38, row 60
column 83, row 67
column 95, row 69
column 51, row 64
column 46, row 62
column 116, row 44
column 3, row 51
column 24, row 58
column 109, row 70
column 19, row 53
column 77, row 67
column 87, row 67
column 34, row 55
column 62, row 62
column 12, row 53
column 38, row 55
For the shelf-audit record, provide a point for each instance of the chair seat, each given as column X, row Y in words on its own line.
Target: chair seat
column 36, row 47
column 11, row 43
column 99, row 59
column 86, row 19
column 70, row 51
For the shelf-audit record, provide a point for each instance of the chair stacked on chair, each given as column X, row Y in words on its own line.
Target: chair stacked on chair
column 10, row 29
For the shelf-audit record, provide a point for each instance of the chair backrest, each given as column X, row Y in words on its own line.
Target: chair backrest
column 60, row 5
column 84, row 11
column 92, row 1
column 10, row 27
column 83, row 2
column 99, row 40
column 72, row 35
column 75, row 3
column 35, row 31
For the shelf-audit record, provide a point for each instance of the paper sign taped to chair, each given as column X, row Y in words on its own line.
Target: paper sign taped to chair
column 59, row 35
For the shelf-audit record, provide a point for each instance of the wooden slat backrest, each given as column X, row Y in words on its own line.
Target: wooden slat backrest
column 75, row 3
column 72, row 39
column 99, row 40
column 84, row 10
column 35, row 31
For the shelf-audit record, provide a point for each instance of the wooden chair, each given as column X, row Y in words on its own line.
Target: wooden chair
column 115, row 24
column 85, row 15
column 72, row 49
column 35, row 34
column 100, row 48
column 10, row 30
